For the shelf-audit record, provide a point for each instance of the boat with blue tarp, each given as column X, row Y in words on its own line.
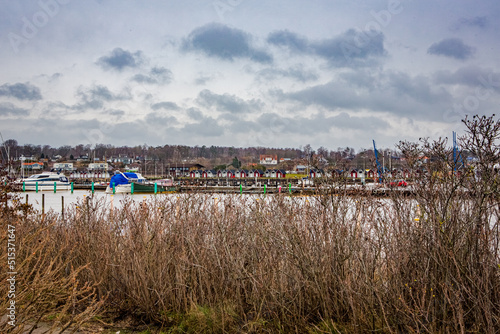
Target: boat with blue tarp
column 131, row 183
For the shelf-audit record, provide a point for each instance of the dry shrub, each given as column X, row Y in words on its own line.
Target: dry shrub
column 48, row 286
column 333, row 263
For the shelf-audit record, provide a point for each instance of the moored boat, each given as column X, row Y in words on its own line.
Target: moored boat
column 45, row 181
column 135, row 183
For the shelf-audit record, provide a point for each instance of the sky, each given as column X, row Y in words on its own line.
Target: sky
column 331, row 73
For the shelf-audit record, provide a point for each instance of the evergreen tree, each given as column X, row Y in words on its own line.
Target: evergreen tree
column 236, row 163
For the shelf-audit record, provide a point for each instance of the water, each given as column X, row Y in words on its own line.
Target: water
column 53, row 201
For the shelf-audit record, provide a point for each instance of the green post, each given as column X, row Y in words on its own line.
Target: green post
column 290, row 188
column 55, row 187
column 71, row 187
column 156, row 188
column 265, row 189
column 24, row 186
column 114, row 188
column 241, row 189
column 132, row 188
column 92, row 187
column 36, row 186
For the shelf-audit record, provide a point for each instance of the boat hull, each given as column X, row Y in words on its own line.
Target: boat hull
column 150, row 188
column 140, row 188
column 119, row 189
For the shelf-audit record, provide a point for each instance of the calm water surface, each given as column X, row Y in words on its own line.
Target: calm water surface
column 54, row 201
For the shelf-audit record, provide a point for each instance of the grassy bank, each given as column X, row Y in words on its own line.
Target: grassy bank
column 323, row 264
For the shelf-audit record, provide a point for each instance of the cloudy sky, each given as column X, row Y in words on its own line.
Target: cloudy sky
column 240, row 73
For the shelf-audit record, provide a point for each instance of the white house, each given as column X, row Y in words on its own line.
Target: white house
column 98, row 166
column 32, row 165
column 268, row 159
column 66, row 166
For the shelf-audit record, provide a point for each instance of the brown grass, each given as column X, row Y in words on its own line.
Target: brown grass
column 320, row 264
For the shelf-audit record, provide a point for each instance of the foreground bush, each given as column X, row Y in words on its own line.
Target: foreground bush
column 319, row 264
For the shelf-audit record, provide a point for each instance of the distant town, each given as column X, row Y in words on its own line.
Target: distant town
column 101, row 161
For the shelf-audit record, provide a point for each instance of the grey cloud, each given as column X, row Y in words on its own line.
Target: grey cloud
column 351, row 49
column 476, row 21
column 202, row 80
column 417, row 88
column 165, row 105
column 159, row 119
column 395, row 92
column 227, row 103
column 220, row 41
column 360, row 78
column 141, row 78
column 51, row 78
column 363, row 123
column 202, row 126
column 332, row 95
column 157, row 75
column 194, row 113
column 21, row 91
column 42, row 130
column 132, row 133
column 56, row 110
column 451, row 47
column 289, row 39
column 239, row 126
column 472, row 76
column 115, row 112
column 120, row 59
column 95, row 97
column 317, row 123
column 297, row 73
column 206, row 127
column 7, row 108
column 56, row 76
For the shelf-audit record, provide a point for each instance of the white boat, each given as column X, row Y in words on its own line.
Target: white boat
column 45, row 182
